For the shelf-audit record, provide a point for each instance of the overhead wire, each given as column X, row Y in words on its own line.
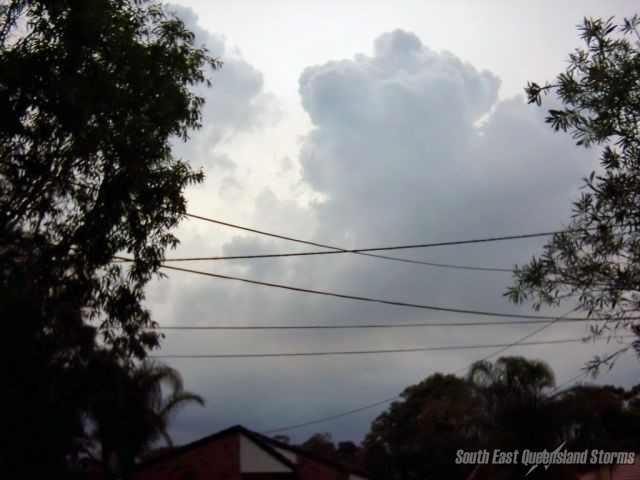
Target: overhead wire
column 520, row 341
column 332, row 417
column 368, row 352
column 559, row 388
column 299, row 254
column 398, row 397
column 583, row 373
column 367, row 299
column 554, row 392
column 377, row 249
column 371, row 325
column 360, row 251
column 365, row 251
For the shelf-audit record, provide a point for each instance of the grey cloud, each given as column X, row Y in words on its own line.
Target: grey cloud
column 236, row 104
column 390, row 126
column 397, row 88
column 394, row 134
column 397, row 43
column 396, row 151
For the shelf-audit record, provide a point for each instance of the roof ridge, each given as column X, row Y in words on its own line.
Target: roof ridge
column 345, row 467
column 263, row 441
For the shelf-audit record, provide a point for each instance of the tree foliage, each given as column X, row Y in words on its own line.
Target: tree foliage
column 516, row 411
column 322, row 444
column 131, row 409
column 417, row 437
column 509, row 405
column 597, row 261
column 92, row 93
column 606, row 418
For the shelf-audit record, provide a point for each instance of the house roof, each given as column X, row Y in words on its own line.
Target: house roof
column 267, row 444
column 343, row 467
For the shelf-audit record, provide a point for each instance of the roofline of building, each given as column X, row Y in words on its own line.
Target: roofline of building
column 267, row 447
column 210, row 438
column 343, row 467
column 267, row 444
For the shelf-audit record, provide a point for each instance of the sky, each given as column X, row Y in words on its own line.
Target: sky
column 363, row 124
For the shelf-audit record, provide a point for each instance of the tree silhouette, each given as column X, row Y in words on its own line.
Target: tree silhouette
column 516, row 408
column 597, row 261
column 606, row 418
column 130, row 410
column 321, row 444
column 417, row 438
column 509, row 404
column 92, row 93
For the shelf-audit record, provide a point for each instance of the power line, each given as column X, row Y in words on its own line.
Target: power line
column 520, row 342
column 558, row 389
column 300, row 254
column 363, row 251
column 368, row 352
column 562, row 318
column 368, row 299
column 332, row 417
column 370, row 326
column 503, row 347
column 377, row 249
column 398, row 397
column 260, row 232
column 583, row 373
column 367, row 407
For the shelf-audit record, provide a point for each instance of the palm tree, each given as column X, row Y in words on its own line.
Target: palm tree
column 521, row 411
column 517, row 411
column 513, row 378
column 129, row 411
